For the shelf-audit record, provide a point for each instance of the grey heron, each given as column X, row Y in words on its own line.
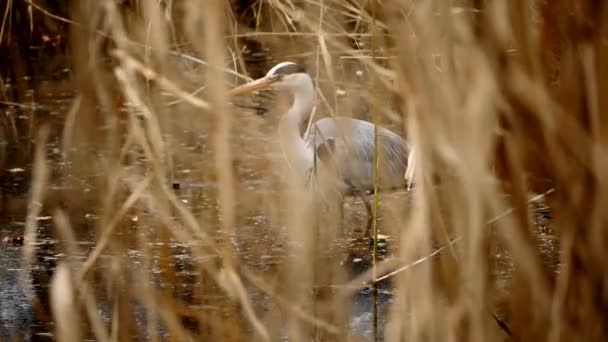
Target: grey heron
column 347, row 144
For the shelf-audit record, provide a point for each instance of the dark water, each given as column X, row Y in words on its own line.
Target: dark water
column 24, row 307
column 261, row 243
column 24, row 310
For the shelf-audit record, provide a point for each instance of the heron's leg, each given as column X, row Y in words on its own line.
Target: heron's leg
column 335, row 210
column 370, row 215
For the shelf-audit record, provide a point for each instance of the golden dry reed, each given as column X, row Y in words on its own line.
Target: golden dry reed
column 502, row 100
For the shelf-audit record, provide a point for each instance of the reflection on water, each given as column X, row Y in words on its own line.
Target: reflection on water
column 20, row 317
column 19, row 289
column 261, row 243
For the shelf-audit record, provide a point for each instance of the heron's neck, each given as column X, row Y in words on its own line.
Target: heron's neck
column 300, row 156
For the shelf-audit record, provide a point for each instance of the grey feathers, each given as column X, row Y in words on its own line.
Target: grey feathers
column 351, row 145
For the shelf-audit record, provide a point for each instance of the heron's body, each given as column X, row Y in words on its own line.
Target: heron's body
column 342, row 144
column 353, row 153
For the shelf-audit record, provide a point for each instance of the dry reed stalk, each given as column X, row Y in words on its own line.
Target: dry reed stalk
column 40, row 180
column 489, row 110
column 5, row 18
column 71, row 326
column 64, row 310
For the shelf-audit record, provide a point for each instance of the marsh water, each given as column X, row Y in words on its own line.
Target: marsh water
column 260, row 241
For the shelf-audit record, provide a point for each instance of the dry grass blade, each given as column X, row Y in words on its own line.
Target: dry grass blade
column 37, row 191
column 5, row 18
column 68, row 128
column 47, row 13
column 233, row 285
column 285, row 302
column 412, row 264
column 175, row 214
column 67, row 327
column 106, row 236
column 130, row 62
column 64, row 286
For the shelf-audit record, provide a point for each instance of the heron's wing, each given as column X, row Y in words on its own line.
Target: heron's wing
column 353, row 151
column 326, row 149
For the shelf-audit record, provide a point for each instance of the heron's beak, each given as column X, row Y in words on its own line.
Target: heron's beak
column 261, row 83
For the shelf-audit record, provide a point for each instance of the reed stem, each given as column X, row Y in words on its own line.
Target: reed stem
column 375, row 204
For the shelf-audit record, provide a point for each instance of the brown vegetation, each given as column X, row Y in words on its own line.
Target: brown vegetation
column 501, row 99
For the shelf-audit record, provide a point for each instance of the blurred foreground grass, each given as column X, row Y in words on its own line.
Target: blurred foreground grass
column 501, row 99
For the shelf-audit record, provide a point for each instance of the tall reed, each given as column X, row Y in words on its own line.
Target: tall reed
column 502, row 101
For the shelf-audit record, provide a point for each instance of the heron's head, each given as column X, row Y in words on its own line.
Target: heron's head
column 285, row 76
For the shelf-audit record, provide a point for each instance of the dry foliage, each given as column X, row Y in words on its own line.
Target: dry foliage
column 501, row 99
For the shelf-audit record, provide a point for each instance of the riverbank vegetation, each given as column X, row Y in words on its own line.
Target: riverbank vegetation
column 169, row 215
